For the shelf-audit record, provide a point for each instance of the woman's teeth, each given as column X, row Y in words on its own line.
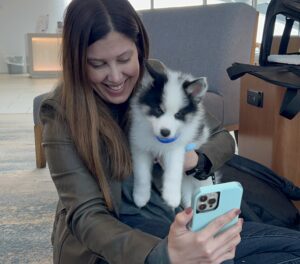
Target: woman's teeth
column 115, row 88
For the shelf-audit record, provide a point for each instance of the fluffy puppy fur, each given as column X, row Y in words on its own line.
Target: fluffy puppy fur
column 167, row 114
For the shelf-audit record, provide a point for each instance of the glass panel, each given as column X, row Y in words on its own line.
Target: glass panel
column 137, row 4
column 262, row 6
column 140, row 4
column 262, row 3
column 176, row 3
column 280, row 24
column 67, row 2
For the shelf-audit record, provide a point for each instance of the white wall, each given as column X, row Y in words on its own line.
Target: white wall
column 18, row 17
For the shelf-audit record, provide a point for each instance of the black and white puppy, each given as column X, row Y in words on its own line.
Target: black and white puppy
column 167, row 115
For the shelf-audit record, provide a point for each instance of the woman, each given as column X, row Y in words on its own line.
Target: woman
column 85, row 122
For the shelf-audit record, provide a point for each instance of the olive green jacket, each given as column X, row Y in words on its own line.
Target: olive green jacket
column 84, row 230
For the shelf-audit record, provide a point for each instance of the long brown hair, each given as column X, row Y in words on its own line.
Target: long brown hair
column 98, row 138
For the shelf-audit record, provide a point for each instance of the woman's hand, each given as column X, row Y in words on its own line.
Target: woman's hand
column 190, row 160
column 189, row 247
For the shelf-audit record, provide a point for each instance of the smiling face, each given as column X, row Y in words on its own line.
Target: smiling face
column 113, row 67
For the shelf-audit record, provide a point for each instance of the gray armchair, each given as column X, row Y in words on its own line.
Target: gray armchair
column 205, row 41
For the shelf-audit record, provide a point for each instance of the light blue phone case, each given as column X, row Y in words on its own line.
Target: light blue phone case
column 230, row 195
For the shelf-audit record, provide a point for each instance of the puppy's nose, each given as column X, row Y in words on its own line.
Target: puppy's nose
column 165, row 132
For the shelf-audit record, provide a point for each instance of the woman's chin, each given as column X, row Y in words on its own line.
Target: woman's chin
column 116, row 98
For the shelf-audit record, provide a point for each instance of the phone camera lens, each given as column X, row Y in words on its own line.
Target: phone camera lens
column 211, row 201
column 202, row 207
column 203, row 198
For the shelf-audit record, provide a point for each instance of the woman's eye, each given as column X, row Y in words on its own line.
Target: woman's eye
column 97, row 65
column 125, row 60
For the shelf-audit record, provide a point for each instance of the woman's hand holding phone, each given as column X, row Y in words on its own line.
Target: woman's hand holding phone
column 185, row 246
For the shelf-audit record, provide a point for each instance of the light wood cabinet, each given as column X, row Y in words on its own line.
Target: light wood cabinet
column 264, row 135
column 43, row 55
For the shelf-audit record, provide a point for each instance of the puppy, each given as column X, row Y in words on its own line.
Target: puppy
column 166, row 115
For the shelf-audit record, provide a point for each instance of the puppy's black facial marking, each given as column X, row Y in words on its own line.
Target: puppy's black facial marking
column 188, row 109
column 153, row 96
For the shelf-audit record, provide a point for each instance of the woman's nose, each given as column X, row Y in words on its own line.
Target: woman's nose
column 115, row 74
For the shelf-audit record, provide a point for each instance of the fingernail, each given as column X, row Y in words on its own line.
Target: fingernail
column 188, row 210
column 237, row 211
column 242, row 221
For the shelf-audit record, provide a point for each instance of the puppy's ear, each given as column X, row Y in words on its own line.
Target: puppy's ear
column 156, row 73
column 150, row 70
column 155, row 67
column 196, row 88
column 156, row 70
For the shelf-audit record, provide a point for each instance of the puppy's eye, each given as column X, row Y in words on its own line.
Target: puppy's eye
column 179, row 115
column 157, row 111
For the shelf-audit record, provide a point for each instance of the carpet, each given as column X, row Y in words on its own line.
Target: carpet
column 27, row 195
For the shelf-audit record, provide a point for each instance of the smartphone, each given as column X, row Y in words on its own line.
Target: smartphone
column 212, row 201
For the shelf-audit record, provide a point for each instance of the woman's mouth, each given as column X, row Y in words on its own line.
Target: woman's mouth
column 115, row 88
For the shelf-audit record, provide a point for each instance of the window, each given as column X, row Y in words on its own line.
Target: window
column 260, row 5
column 67, row 2
column 212, row 2
column 176, row 3
column 141, row 4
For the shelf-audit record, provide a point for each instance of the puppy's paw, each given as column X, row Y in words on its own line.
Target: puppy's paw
column 186, row 202
column 172, row 199
column 141, row 198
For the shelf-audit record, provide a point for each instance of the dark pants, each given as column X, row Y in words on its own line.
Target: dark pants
column 261, row 243
column 268, row 244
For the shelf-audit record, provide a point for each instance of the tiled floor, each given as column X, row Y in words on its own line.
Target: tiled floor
column 27, row 195
column 17, row 92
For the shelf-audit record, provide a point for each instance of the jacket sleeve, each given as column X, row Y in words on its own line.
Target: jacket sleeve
column 87, row 216
column 220, row 146
column 159, row 255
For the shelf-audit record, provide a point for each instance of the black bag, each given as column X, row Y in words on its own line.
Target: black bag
column 287, row 76
column 267, row 197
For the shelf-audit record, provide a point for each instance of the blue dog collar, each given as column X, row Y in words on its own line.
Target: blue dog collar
column 190, row 147
column 166, row 140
